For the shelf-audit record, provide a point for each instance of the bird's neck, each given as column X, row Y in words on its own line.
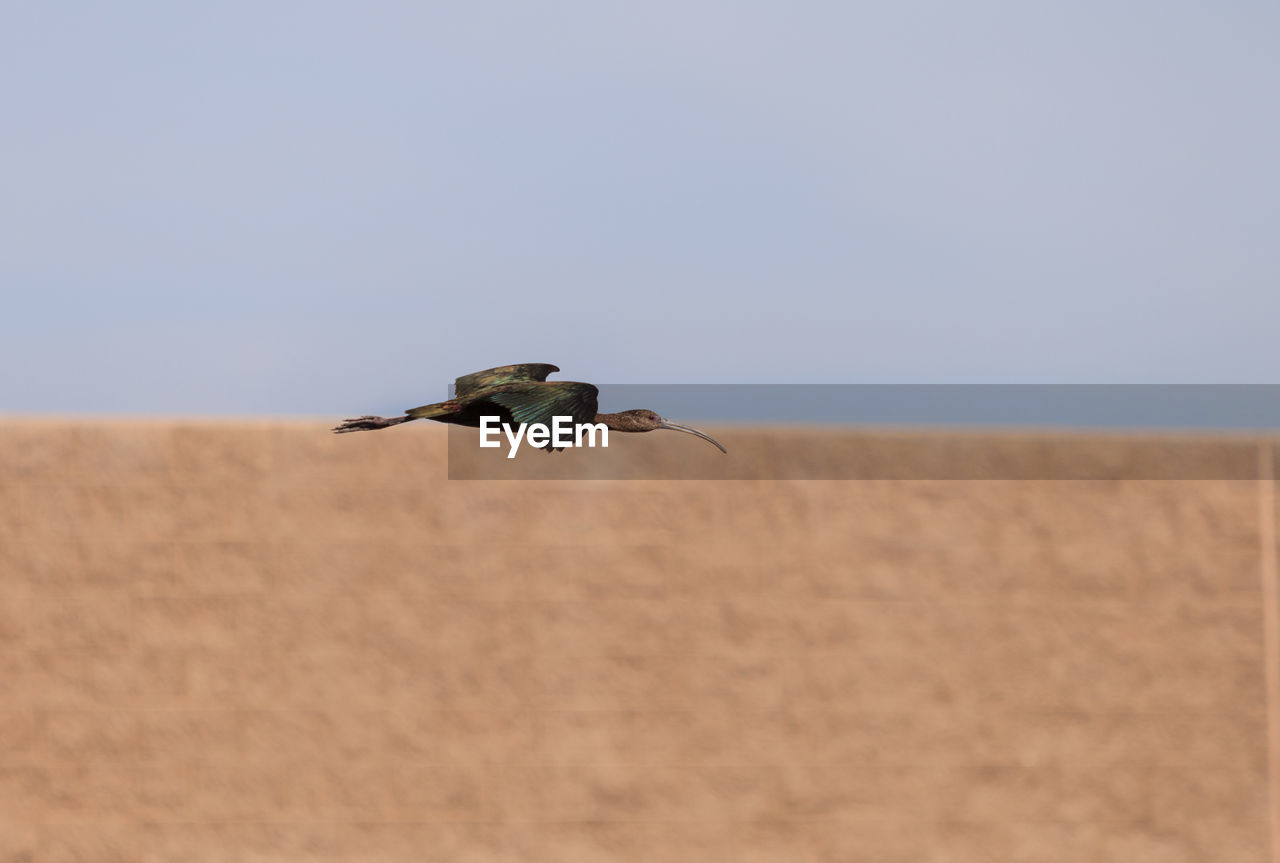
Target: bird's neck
column 617, row 422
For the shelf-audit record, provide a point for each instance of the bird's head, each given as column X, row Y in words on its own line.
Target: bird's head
column 643, row 420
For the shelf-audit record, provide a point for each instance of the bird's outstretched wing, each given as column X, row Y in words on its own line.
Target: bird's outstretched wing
column 541, row 402
column 471, row 384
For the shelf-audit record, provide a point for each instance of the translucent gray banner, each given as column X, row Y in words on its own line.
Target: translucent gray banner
column 781, row 431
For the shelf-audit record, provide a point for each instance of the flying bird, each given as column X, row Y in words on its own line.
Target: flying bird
column 522, row 394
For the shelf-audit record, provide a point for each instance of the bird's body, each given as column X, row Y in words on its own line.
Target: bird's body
column 522, row 394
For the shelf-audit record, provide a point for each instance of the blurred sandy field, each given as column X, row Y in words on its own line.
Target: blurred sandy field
column 256, row 641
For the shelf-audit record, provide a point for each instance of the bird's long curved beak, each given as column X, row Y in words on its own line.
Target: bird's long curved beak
column 666, row 424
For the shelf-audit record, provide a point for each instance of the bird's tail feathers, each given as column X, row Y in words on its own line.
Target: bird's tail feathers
column 427, row 412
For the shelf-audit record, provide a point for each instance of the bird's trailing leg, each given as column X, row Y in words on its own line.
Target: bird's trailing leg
column 369, row 423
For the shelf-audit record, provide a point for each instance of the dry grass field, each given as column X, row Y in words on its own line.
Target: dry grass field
column 256, row 641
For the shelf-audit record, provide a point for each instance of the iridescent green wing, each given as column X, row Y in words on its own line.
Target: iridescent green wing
column 469, row 385
column 542, row 402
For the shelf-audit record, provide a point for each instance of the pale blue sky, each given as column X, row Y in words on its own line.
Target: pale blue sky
column 257, row 207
